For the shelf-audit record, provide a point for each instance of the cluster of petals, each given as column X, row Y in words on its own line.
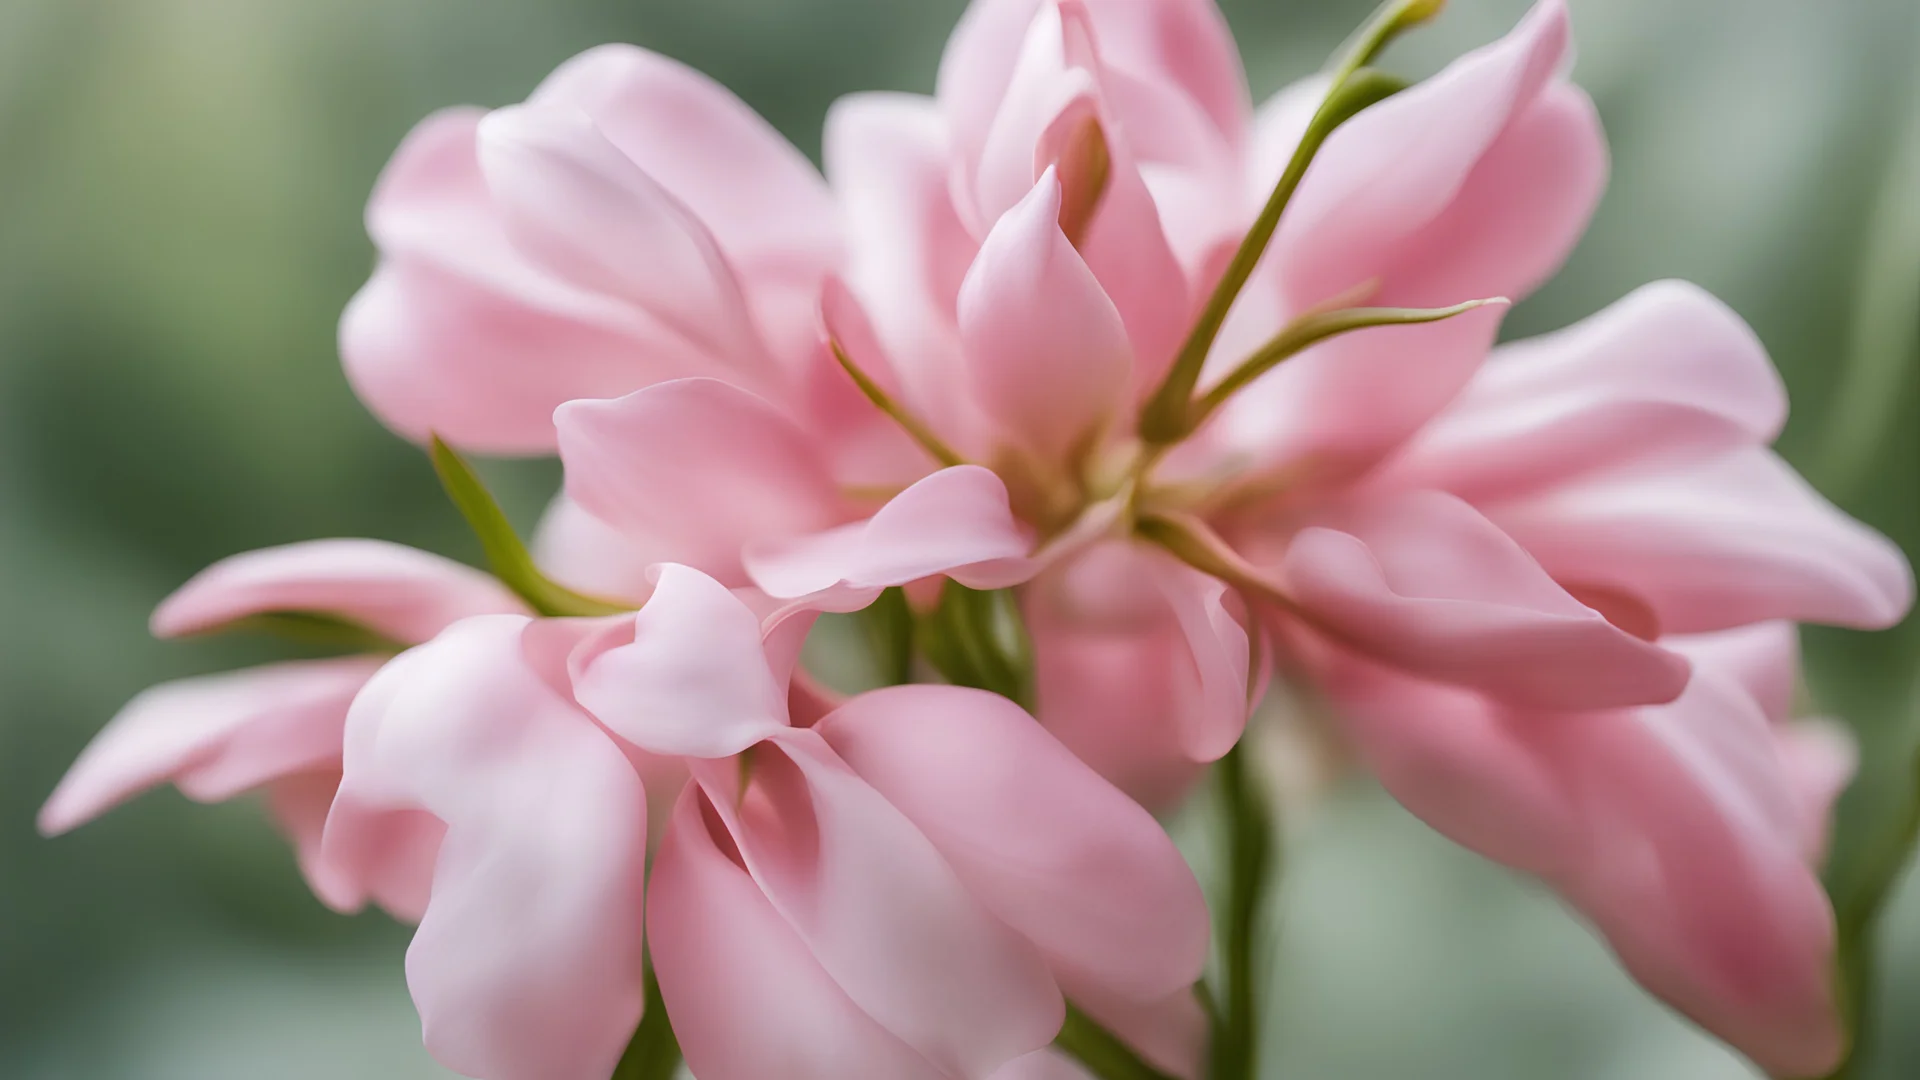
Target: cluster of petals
column 1549, row 588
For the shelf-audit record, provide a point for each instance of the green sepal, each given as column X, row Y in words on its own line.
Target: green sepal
column 654, row 1052
column 312, row 628
column 979, row 638
column 1100, row 1051
column 506, row 556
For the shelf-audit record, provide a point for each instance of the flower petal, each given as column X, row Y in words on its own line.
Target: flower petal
column 893, row 924
column 578, row 207
column 727, row 959
column 1046, row 349
column 1737, row 539
column 527, row 962
column 1050, row 847
column 955, row 522
column 693, row 681
column 1424, row 582
column 1668, row 374
column 457, row 333
column 404, row 593
column 214, row 736
column 695, row 470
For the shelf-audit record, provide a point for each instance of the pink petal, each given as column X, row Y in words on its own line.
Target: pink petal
column 955, row 522
column 1217, row 648
column 401, row 592
column 1473, row 770
column 527, row 961
column 867, row 447
column 1424, row 582
column 1821, row 757
column 764, row 201
column 1170, row 1033
column 766, row 205
column 1735, row 540
column 1707, row 898
column 1046, row 349
column 1042, row 1065
column 457, row 333
column 582, row 210
column 585, row 553
column 1397, row 169
column 897, row 928
column 214, row 736
column 1061, row 855
column 694, row 679
column 747, row 997
column 1667, row 375
column 1473, row 184
column 886, row 156
column 695, row 469
column 1764, row 658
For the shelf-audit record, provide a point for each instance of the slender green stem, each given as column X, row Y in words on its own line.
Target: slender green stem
column 915, row 428
column 1389, row 21
column 654, row 1053
column 1163, row 419
column 1251, row 866
column 1101, row 1052
column 1311, row 329
column 507, row 557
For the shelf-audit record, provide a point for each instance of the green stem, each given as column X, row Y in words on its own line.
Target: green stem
column 1100, row 1051
column 1250, row 869
column 1389, row 21
column 507, row 557
column 915, row 428
column 654, row 1053
column 1311, row 329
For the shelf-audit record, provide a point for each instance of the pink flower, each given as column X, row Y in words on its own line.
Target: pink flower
column 904, row 888
column 278, row 727
column 1499, row 563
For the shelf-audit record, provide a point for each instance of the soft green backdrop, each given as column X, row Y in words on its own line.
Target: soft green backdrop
column 180, row 191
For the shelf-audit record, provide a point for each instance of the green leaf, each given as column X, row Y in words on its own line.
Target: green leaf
column 1876, row 827
column 978, row 638
column 507, row 557
column 1251, row 867
column 313, row 628
column 1099, row 1051
column 654, row 1053
column 1165, row 417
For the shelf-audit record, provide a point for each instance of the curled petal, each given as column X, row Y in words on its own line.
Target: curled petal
column 955, row 522
column 1737, row 539
column 695, row 469
column 1669, row 374
column 583, row 211
column 588, row 555
column 692, row 681
column 1426, row 583
column 724, row 954
column 214, row 736
column 883, row 913
column 1050, row 847
column 401, row 592
column 457, row 333
column 527, row 961
column 1046, row 349
column 765, row 203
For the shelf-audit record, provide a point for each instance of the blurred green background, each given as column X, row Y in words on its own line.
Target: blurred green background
column 181, row 184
